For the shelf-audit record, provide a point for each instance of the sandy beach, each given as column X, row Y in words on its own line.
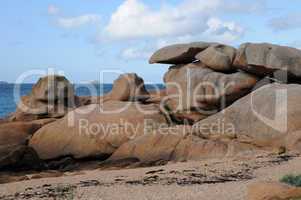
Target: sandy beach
column 225, row 179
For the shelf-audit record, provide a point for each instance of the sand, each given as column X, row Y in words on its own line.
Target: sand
column 223, row 179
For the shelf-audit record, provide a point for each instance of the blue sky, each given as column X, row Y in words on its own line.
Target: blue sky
column 84, row 37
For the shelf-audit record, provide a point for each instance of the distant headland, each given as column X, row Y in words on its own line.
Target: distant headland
column 3, row 82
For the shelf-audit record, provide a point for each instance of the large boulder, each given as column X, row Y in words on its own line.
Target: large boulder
column 218, row 57
column 194, row 87
column 51, row 97
column 153, row 146
column 178, row 53
column 14, row 137
column 272, row 191
column 195, row 148
column 96, row 130
column 177, row 144
column 269, row 117
column 128, row 87
column 20, row 157
column 264, row 59
column 52, row 88
column 18, row 133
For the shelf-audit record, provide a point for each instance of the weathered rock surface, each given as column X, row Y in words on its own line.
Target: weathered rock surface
column 52, row 97
column 88, row 100
column 128, row 87
column 218, row 57
column 272, row 191
column 52, row 88
column 153, row 146
column 195, row 87
column 127, row 122
column 264, row 59
column 156, row 96
column 96, row 130
column 14, row 137
column 268, row 117
column 19, row 157
column 177, row 144
column 293, row 141
column 179, row 53
column 18, row 133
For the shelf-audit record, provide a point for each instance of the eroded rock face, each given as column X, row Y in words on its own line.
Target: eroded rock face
column 19, row 157
column 177, row 144
column 18, row 133
column 156, row 96
column 14, row 137
column 218, row 57
column 195, row 87
column 272, row 191
column 264, row 59
column 96, row 130
column 51, row 97
column 293, row 141
column 153, row 146
column 52, row 88
column 179, row 53
column 268, row 117
column 128, row 87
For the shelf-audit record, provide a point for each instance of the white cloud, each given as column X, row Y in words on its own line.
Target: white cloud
column 71, row 22
column 74, row 22
column 133, row 19
column 53, row 10
column 224, row 31
column 187, row 21
column 191, row 20
column 218, row 31
column 136, row 53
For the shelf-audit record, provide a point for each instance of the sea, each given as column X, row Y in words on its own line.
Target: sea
column 8, row 103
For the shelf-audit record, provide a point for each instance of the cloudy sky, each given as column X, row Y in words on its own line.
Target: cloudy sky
column 84, row 37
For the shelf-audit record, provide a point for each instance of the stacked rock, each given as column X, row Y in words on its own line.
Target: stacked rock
column 209, row 77
column 267, row 59
column 203, row 79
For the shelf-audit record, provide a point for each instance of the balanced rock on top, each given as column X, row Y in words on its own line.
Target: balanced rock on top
column 179, row 53
column 218, row 57
column 264, row 59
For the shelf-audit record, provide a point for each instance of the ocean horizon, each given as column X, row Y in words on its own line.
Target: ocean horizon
column 8, row 104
